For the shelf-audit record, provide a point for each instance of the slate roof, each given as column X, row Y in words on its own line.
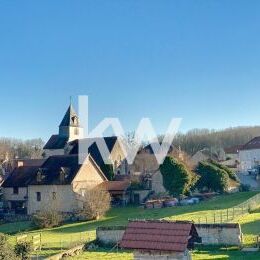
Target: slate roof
column 20, row 176
column 50, row 172
column 252, row 144
column 93, row 149
column 156, row 235
column 68, row 119
column 56, row 142
column 52, row 167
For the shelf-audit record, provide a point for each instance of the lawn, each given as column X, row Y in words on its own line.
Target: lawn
column 62, row 237
column 204, row 254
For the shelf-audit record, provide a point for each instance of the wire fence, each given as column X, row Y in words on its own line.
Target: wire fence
column 229, row 214
column 46, row 245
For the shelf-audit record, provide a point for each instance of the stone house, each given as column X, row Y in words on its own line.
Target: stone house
column 155, row 239
column 58, row 183
column 15, row 188
column 249, row 155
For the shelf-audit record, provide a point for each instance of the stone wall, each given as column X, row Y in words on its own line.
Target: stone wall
column 163, row 256
column 10, row 196
column 65, row 198
column 110, row 235
column 220, row 234
column 211, row 234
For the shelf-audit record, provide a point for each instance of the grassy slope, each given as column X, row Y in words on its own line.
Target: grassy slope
column 52, row 238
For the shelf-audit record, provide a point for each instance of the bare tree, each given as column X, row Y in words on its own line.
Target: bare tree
column 96, row 202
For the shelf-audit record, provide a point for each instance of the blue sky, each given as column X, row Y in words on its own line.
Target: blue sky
column 199, row 60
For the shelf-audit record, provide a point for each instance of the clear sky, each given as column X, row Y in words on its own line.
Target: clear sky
column 196, row 59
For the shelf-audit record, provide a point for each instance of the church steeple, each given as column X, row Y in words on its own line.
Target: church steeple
column 69, row 126
column 70, row 118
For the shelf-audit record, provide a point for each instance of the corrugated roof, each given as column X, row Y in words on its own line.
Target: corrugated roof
column 153, row 235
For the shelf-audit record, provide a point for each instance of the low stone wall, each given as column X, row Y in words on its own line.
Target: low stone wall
column 110, row 235
column 220, row 234
column 68, row 253
column 211, row 234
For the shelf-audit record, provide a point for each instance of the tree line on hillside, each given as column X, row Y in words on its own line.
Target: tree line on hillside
column 11, row 148
column 198, row 139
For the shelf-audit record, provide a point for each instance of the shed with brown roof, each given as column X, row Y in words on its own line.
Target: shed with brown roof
column 118, row 191
column 156, row 239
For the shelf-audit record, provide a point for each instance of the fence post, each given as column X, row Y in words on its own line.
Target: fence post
column 220, row 216
column 227, row 214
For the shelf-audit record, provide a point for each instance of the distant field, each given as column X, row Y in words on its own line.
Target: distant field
column 62, row 237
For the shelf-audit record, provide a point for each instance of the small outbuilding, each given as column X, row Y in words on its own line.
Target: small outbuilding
column 157, row 239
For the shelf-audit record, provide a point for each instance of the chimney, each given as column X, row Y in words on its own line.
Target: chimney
column 20, row 164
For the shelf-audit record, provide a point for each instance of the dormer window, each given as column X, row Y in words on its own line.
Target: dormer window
column 64, row 173
column 39, row 176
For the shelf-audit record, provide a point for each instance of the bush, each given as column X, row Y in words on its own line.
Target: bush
column 177, row 179
column 231, row 173
column 47, row 219
column 23, row 249
column 96, row 203
column 211, row 177
column 6, row 252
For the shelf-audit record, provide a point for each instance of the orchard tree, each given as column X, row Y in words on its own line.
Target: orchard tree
column 177, row 179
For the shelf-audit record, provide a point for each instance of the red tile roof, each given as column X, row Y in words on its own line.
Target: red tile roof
column 252, row 144
column 155, row 235
column 233, row 149
column 115, row 186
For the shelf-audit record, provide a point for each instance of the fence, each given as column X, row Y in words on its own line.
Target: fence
column 229, row 214
column 48, row 245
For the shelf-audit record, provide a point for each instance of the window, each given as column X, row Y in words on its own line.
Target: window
column 38, row 196
column 54, row 195
column 15, row 190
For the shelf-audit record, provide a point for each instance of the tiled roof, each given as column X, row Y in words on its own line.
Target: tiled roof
column 252, row 144
column 233, row 149
column 56, row 142
column 115, row 185
column 155, row 235
column 20, row 176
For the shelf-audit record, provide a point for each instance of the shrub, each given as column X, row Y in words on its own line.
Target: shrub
column 177, row 179
column 6, row 252
column 96, row 203
column 231, row 173
column 23, row 249
column 211, row 177
column 47, row 219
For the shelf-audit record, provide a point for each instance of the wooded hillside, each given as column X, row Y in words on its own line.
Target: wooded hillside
column 197, row 139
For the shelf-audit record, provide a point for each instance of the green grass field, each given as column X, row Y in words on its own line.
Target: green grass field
column 64, row 236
